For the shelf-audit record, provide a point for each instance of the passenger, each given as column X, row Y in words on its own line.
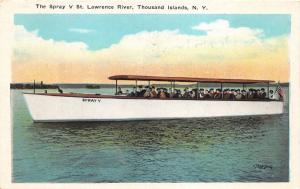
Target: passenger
column 147, row 93
column 206, row 94
column 273, row 96
column 238, row 95
column 186, row 93
column 158, row 91
column 226, row 94
column 142, row 91
column 178, row 93
column 166, row 92
column 139, row 90
column 263, row 94
column 171, row 93
column 60, row 90
column 257, row 94
column 133, row 93
column 193, row 94
column 119, row 92
column 175, row 94
column 201, row 93
column 250, row 94
column 244, row 95
column 153, row 93
column 218, row 94
column 211, row 93
column 162, row 94
column 232, row 94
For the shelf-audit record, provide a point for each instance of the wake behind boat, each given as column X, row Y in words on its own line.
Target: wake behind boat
column 155, row 103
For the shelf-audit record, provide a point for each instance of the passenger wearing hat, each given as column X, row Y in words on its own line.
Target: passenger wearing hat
column 226, row 94
column 250, row 94
column 201, row 94
column 206, row 94
column 232, row 94
column 263, row 94
column 153, row 93
column 133, row 93
column 119, row 91
column 257, row 94
column 244, row 95
column 218, row 94
column 147, row 93
column 238, row 95
column 186, row 93
column 211, row 93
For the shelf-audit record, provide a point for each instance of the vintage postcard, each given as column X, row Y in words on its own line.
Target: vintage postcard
column 154, row 94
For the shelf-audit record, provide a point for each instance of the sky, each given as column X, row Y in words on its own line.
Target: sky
column 88, row 48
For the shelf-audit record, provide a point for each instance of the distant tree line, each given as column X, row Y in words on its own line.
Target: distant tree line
column 40, row 85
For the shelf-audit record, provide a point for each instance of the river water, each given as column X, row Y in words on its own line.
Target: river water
column 232, row 149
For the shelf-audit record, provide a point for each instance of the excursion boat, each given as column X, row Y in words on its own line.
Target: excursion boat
column 64, row 107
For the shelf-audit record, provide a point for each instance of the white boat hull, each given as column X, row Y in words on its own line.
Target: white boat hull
column 48, row 108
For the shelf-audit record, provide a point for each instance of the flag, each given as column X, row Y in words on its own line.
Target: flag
column 279, row 91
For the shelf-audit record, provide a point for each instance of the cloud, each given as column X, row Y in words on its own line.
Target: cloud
column 81, row 30
column 223, row 51
column 217, row 25
column 222, row 27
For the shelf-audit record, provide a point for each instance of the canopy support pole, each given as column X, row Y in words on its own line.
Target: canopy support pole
column 174, row 85
column 149, row 83
column 136, row 84
column 222, row 90
column 197, row 90
column 116, row 87
column 243, row 86
column 34, row 86
column 268, row 90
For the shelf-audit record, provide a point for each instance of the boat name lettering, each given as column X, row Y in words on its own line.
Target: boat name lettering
column 91, row 100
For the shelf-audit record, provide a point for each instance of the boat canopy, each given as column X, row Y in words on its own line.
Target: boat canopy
column 185, row 79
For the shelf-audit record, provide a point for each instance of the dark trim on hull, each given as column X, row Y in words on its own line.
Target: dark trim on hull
column 81, row 95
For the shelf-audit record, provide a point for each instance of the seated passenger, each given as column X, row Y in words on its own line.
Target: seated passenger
column 166, row 92
column 162, row 94
column 133, row 93
column 244, row 95
column 226, row 94
column 257, row 94
column 211, row 93
column 250, row 94
column 193, row 94
column 186, row 93
column 201, row 93
column 175, row 94
column 147, row 93
column 218, row 94
column 119, row 92
column 238, row 94
column 153, row 93
column 142, row 91
column 263, row 94
column 271, row 94
column 178, row 93
column 206, row 94
column 232, row 94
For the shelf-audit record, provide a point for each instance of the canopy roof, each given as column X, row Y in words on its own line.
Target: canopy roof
column 185, row 79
